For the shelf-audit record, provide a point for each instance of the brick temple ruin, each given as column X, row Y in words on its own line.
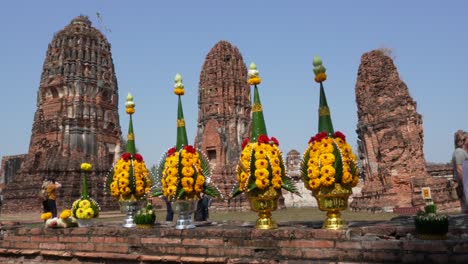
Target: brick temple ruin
column 390, row 137
column 224, row 120
column 76, row 121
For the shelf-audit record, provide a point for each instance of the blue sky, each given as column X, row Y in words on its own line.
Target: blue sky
column 153, row 40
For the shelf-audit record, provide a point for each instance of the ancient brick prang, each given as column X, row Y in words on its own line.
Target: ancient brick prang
column 76, row 118
column 390, row 136
column 223, row 112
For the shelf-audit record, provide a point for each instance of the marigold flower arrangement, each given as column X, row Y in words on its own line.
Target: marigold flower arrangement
column 184, row 172
column 261, row 164
column 130, row 178
column 85, row 207
column 328, row 158
column 65, row 220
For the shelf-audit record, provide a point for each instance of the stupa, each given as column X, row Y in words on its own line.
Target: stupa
column 76, row 120
column 224, row 108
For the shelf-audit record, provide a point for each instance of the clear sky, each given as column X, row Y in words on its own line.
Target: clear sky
column 153, row 40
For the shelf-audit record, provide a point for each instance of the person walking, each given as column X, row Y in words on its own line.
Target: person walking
column 52, row 196
column 460, row 154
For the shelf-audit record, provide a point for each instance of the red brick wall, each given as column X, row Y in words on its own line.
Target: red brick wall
column 228, row 244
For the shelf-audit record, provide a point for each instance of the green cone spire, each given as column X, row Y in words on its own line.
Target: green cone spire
column 324, row 121
column 258, row 121
column 84, row 187
column 181, row 131
column 130, row 109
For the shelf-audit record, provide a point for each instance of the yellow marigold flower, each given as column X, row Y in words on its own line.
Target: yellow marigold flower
column 125, row 190
column 179, row 91
column 46, row 216
column 262, row 183
column 88, row 213
column 245, row 156
column 261, row 173
column 200, row 180
column 147, row 189
column 130, row 110
column 84, row 204
column 346, row 150
column 328, row 180
column 313, row 172
column 139, row 190
column 243, row 177
column 198, row 188
column 171, row 190
column 327, row 171
column 326, row 148
column 171, row 171
column 276, row 182
column 312, row 162
column 123, row 175
column 188, row 171
column 254, row 81
column 273, row 152
column 187, row 162
column 276, row 170
column 172, row 161
column 186, row 155
column 86, row 166
column 339, row 141
column 123, row 182
column 261, row 164
column 260, row 153
column 171, row 181
column 187, row 182
column 320, row 77
column 347, row 177
column 115, row 192
column 80, row 213
column 139, row 183
column 327, row 159
column 314, row 152
column 314, row 184
column 246, row 164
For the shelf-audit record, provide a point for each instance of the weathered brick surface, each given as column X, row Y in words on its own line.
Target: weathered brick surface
column 223, row 244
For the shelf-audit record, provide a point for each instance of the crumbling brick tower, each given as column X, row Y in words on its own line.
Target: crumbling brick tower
column 390, row 132
column 76, row 119
column 224, row 120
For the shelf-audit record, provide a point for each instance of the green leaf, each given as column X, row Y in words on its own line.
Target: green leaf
column 157, row 193
column 305, row 166
column 212, row 191
column 289, row 185
column 236, row 191
column 338, row 163
column 180, row 193
column 205, row 164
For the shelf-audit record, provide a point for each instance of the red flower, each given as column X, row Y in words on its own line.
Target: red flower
column 190, row 149
column 338, row 134
column 320, row 136
column 312, row 140
column 273, row 140
column 263, row 139
column 126, row 156
column 245, row 142
column 138, row 157
column 171, row 152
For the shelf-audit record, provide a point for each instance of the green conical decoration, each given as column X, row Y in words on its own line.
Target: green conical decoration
column 325, row 122
column 84, row 187
column 181, row 131
column 258, row 121
column 130, row 138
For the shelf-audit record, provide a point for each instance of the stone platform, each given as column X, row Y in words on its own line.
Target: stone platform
column 234, row 242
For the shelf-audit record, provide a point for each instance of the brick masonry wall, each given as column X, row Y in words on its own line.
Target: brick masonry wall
column 291, row 243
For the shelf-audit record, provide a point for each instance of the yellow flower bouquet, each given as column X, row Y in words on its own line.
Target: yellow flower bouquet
column 184, row 172
column 85, row 207
column 129, row 180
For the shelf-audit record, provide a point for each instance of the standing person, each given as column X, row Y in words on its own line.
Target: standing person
column 52, row 196
column 44, row 196
column 459, row 155
column 169, row 211
column 202, row 214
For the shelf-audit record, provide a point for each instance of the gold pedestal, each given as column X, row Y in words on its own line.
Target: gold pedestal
column 264, row 203
column 333, row 200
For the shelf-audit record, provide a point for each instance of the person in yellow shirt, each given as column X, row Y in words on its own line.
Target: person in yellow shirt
column 52, row 196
